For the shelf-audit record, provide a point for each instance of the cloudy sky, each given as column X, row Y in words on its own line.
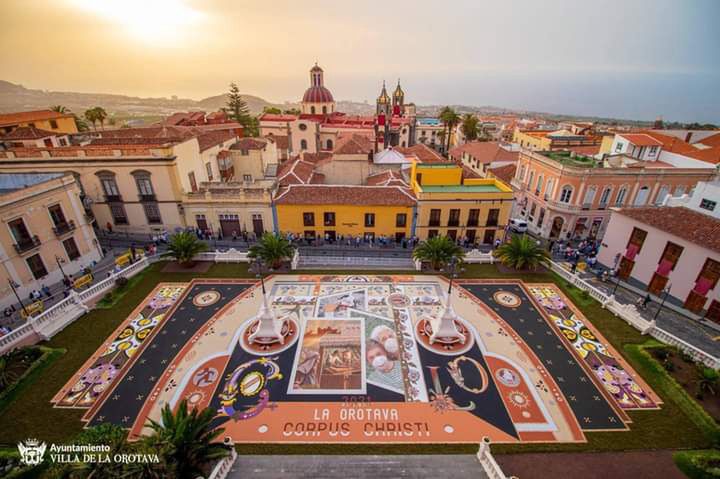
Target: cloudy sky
column 625, row 58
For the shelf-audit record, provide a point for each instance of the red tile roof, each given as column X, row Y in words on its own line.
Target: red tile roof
column 346, row 195
column 676, row 145
column 698, row 228
column 297, row 172
column 713, row 140
column 30, row 116
column 282, row 141
column 641, row 139
column 249, row 144
column 277, row 117
column 423, row 153
column 670, row 143
column 28, row 133
column 386, row 178
column 354, row 144
column 485, row 152
column 214, row 138
column 505, row 173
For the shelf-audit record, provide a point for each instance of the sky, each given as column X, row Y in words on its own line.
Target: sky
column 634, row 59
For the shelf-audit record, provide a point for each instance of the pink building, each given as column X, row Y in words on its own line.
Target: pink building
column 667, row 247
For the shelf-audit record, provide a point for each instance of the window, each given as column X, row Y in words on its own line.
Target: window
column 707, row 204
column 145, row 188
column 118, row 213
column 531, row 216
column 329, row 145
column 538, row 189
column 400, row 220
column 541, row 218
column 432, row 233
column 110, row 187
column 493, row 216
column 152, row 213
column 57, row 215
column 619, row 146
column 71, row 249
column 208, row 168
column 530, row 179
column 620, row 199
column 303, row 144
column 589, row 197
column 605, row 197
column 309, row 235
column 302, row 126
column 642, row 196
column 664, row 191
column 549, row 188
column 247, row 178
column 53, row 124
column 329, row 218
column 369, row 220
column 679, row 191
column 454, row 218
column 244, row 152
column 37, row 267
column 20, row 232
column 653, row 151
column 434, row 217
column 312, row 110
column 324, row 110
column 309, row 219
column 193, row 183
column 473, row 217
column 566, row 194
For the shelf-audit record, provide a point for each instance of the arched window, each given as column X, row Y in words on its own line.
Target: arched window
column 530, row 179
column 521, row 176
column 589, row 196
column 538, row 189
column 662, row 194
column 620, row 199
column 303, row 144
column 642, row 196
column 329, row 145
column 605, row 197
column 324, row 110
column 403, row 144
column 566, row 194
column 549, row 188
column 144, row 185
column 312, row 110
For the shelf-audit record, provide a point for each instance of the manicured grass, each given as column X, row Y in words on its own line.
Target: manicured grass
column 699, row 464
column 31, row 415
column 31, row 375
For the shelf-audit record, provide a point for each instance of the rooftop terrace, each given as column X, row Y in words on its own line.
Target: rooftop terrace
column 567, row 158
column 461, row 189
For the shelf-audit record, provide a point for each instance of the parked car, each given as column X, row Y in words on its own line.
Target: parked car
column 518, row 225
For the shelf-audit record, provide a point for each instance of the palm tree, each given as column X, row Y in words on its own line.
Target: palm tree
column 100, row 114
column 521, row 252
column 450, row 119
column 184, row 246
column 59, row 109
column 186, row 440
column 438, row 251
column 272, row 249
column 91, row 116
column 470, row 126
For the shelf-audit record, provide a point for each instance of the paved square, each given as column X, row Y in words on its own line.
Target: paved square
column 358, row 364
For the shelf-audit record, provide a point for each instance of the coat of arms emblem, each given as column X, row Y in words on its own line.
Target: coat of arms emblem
column 31, row 452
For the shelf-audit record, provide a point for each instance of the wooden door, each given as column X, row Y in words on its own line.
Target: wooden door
column 713, row 312
column 258, row 225
column 626, row 267
column 657, row 284
column 695, row 302
column 489, row 237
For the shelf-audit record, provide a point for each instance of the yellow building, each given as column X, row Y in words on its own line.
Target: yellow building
column 45, row 230
column 328, row 211
column 547, row 140
column 449, row 205
column 47, row 120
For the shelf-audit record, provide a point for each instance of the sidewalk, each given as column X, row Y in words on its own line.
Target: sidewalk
column 686, row 328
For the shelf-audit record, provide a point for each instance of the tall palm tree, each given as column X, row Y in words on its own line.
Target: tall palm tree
column 450, row 119
column 91, row 116
column 59, row 109
column 184, row 246
column 438, row 251
column 521, row 252
column 470, row 126
column 186, row 440
column 101, row 115
column 272, row 249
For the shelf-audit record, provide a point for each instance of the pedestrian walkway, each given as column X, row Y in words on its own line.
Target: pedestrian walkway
column 370, row 467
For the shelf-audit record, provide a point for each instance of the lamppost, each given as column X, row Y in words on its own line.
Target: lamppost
column 617, row 283
column 14, row 285
column 59, row 262
column 666, row 292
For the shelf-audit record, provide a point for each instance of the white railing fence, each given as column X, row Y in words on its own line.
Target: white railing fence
column 55, row 318
column 230, row 256
column 630, row 314
column 222, row 468
column 487, row 461
column 478, row 257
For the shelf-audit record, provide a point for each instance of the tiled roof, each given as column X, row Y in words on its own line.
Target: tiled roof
column 423, row 153
column 30, row 116
column 213, row 138
column 346, row 195
column 698, row 228
column 277, row 117
column 296, row 172
column 505, row 173
column 670, row 143
column 282, row 141
column 315, row 158
column 249, row 144
column 710, row 155
column 386, row 178
column 484, row 152
column 27, row 133
column 676, row 145
column 469, row 172
column 713, row 140
column 354, row 144
column 641, row 139
column 317, row 94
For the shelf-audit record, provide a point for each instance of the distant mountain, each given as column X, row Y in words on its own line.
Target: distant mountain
column 17, row 98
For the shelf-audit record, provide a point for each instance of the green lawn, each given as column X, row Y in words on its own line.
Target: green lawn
column 31, row 414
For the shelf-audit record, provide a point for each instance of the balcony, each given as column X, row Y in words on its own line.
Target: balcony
column 27, row 244
column 63, row 228
column 113, row 198
column 453, row 223
column 560, row 206
column 147, row 198
column 472, row 223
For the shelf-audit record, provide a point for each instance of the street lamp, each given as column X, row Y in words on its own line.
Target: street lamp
column 666, row 292
column 59, row 262
column 14, row 285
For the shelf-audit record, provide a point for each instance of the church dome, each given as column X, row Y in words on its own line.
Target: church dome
column 317, row 94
